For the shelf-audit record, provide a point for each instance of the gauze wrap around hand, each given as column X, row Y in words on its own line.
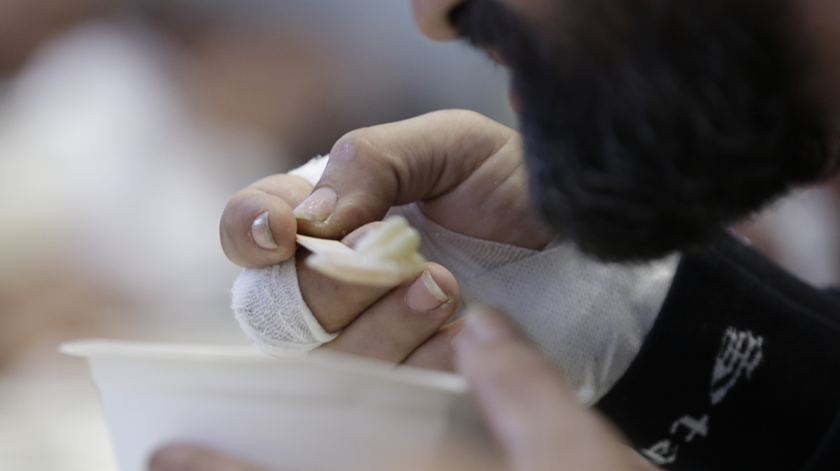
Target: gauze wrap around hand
column 588, row 317
column 270, row 309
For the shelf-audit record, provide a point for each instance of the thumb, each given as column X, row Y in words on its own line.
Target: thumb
column 531, row 411
column 372, row 169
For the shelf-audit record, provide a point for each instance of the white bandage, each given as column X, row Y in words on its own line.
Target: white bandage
column 269, row 307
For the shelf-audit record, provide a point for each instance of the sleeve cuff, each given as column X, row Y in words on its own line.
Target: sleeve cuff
column 588, row 317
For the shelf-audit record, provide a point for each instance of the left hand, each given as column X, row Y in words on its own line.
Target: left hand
column 467, row 174
column 533, row 414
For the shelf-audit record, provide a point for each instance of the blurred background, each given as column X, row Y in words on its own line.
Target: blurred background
column 126, row 125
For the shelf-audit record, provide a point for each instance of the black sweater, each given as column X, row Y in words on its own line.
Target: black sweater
column 740, row 372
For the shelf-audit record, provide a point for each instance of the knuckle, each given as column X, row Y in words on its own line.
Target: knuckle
column 469, row 115
column 401, row 343
column 397, row 341
column 358, row 147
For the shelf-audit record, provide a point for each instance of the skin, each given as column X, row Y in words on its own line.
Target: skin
column 539, row 427
column 467, row 174
column 25, row 25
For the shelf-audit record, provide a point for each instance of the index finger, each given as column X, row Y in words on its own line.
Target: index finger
column 258, row 226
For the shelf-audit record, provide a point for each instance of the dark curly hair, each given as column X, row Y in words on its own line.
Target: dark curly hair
column 652, row 126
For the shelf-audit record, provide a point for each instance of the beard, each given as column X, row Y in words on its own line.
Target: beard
column 650, row 129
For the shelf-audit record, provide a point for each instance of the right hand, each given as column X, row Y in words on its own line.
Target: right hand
column 465, row 171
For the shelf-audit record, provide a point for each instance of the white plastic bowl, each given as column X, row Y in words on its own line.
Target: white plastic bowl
column 319, row 412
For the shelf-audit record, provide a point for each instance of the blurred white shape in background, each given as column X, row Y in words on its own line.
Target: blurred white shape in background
column 105, row 176
column 106, row 171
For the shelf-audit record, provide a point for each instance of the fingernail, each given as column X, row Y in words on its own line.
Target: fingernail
column 425, row 295
column 261, row 233
column 319, row 206
column 486, row 326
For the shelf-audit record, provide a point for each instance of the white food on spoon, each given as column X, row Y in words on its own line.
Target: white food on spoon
column 385, row 256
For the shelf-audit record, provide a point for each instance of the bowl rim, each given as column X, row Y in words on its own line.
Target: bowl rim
column 98, row 348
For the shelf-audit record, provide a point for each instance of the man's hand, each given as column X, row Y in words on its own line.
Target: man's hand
column 535, row 417
column 466, row 172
